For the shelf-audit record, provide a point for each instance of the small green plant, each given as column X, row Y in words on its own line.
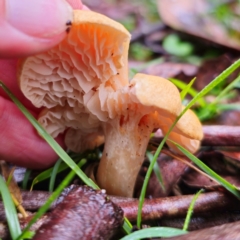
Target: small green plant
column 217, row 105
column 139, row 52
column 174, row 45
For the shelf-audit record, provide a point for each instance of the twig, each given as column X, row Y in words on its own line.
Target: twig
column 153, row 208
column 201, row 221
column 177, row 206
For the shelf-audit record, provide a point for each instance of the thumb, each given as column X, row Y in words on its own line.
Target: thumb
column 28, row 27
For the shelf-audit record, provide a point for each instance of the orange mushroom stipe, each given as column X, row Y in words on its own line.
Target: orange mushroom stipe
column 83, row 85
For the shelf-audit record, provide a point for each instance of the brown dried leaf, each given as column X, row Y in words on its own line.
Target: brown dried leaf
column 212, row 68
column 197, row 180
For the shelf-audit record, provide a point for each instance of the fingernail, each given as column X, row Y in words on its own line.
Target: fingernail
column 39, row 18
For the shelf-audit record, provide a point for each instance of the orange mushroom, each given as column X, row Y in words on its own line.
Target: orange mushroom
column 84, row 87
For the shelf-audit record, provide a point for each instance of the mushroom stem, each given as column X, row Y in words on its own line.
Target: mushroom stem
column 123, row 155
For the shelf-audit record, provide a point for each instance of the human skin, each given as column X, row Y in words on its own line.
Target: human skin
column 20, row 144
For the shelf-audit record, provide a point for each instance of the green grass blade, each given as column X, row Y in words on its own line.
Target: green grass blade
column 186, row 90
column 54, row 174
column 181, row 85
column 227, row 89
column 10, row 210
column 154, row 232
column 156, row 170
column 47, row 174
column 127, row 226
column 205, row 90
column 54, row 196
column 231, row 188
column 55, row 146
column 214, row 83
column 9, row 179
column 227, row 107
column 190, row 210
column 214, row 107
column 28, row 235
column 26, row 178
column 147, row 177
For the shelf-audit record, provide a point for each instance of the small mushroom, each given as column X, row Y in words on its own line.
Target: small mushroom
column 149, row 102
column 82, row 83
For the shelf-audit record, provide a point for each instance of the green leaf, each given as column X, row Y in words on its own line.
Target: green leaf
column 154, row 232
column 10, row 210
column 173, row 45
column 139, row 51
column 28, row 235
column 208, row 112
column 227, row 107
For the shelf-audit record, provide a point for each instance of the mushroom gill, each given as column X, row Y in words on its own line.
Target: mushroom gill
column 94, row 51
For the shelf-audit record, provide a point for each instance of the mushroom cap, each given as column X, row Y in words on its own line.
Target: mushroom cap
column 95, row 51
column 156, row 94
column 189, row 125
column 187, row 132
column 162, row 96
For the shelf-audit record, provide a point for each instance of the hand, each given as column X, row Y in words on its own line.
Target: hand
column 27, row 27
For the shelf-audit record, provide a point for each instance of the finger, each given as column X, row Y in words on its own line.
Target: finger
column 19, row 142
column 8, row 76
column 28, row 27
column 75, row 4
